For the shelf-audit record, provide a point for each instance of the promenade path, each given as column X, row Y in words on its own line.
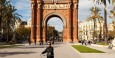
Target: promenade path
column 61, row 50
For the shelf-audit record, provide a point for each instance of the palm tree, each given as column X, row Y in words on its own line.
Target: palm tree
column 105, row 15
column 112, row 12
column 95, row 11
column 9, row 16
column 113, row 17
column 100, row 20
column 105, row 21
column 3, row 4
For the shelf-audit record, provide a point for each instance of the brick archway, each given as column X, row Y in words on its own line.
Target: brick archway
column 66, row 10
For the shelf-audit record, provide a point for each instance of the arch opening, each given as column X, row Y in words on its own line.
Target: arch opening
column 54, row 29
column 57, row 23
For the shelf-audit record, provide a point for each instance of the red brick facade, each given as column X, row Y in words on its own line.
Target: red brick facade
column 66, row 10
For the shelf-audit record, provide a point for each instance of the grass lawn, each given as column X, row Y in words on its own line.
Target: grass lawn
column 4, row 43
column 84, row 49
column 8, row 46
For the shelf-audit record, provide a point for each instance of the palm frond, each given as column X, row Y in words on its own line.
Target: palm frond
column 9, row 15
column 89, row 18
column 113, row 1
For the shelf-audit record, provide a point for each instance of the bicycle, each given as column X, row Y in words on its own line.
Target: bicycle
column 42, row 55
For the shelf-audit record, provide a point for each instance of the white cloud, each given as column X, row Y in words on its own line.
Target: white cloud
column 83, row 4
column 84, row 9
column 23, row 5
column 23, row 8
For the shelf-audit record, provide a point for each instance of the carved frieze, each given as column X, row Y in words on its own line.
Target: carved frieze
column 55, row 6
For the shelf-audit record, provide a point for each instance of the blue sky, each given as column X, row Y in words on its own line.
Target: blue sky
column 57, row 22
column 24, row 9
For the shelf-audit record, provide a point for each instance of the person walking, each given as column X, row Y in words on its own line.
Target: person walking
column 49, row 50
column 110, row 45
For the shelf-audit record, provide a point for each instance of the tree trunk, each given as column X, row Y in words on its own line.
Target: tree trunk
column 7, row 30
column 100, row 36
column 0, row 22
column 7, row 34
column 105, row 23
column 14, row 37
column 94, row 29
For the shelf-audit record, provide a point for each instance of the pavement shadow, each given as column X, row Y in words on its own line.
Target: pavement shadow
column 4, row 54
column 58, row 43
column 29, row 47
column 55, row 45
column 35, row 47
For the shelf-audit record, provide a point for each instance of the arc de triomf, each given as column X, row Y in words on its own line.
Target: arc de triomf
column 43, row 10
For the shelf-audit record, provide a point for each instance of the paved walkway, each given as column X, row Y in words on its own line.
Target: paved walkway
column 33, row 51
column 61, row 50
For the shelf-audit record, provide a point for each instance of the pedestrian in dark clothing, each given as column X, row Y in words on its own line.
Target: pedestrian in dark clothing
column 49, row 50
column 41, row 42
column 89, row 42
column 110, row 45
column 82, row 41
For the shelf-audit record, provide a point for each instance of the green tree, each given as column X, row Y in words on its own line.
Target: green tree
column 105, row 15
column 111, row 33
column 9, row 16
column 3, row 4
column 51, row 32
column 23, row 33
column 95, row 16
